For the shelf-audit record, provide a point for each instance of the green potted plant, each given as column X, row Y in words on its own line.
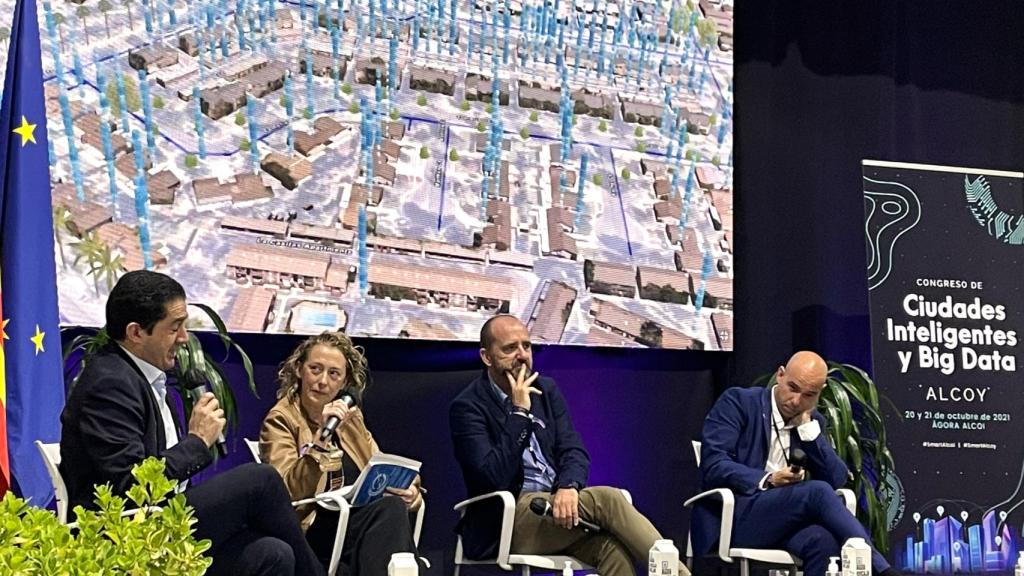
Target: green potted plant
column 855, row 428
column 110, row 540
column 194, row 367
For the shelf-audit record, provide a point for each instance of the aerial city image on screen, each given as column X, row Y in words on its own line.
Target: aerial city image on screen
column 399, row 168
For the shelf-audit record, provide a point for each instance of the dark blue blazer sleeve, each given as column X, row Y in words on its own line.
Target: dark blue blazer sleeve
column 822, row 461
column 572, row 459
column 486, row 465
column 113, row 424
column 720, row 467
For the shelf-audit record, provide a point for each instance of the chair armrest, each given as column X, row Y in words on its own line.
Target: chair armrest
column 505, row 495
column 335, row 497
column 508, row 516
column 131, row 512
column 849, row 500
column 728, row 507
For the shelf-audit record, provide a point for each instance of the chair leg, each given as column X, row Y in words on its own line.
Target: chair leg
column 744, row 567
column 526, row 570
column 457, row 566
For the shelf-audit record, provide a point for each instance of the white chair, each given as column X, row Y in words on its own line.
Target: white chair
column 51, row 458
column 747, row 555
column 506, row 559
column 335, row 500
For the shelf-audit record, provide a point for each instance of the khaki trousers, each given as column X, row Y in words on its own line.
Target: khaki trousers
column 624, row 541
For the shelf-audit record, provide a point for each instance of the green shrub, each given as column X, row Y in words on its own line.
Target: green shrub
column 33, row 542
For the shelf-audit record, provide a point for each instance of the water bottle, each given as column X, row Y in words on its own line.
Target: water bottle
column 1018, row 570
column 403, row 564
column 833, row 567
column 663, row 559
column 856, row 556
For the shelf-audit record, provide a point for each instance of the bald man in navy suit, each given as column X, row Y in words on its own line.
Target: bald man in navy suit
column 747, row 442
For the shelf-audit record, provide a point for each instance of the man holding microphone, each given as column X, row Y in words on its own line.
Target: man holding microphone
column 117, row 416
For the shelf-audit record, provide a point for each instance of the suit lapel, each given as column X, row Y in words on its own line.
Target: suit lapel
column 147, row 397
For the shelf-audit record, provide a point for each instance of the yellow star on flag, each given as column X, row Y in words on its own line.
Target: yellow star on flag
column 3, row 327
column 26, row 131
column 38, row 340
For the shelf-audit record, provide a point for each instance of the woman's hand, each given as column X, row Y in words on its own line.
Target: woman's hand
column 338, row 409
column 410, row 495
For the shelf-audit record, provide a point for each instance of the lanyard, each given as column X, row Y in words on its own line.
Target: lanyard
column 778, row 438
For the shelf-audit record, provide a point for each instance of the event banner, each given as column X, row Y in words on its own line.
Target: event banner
column 945, row 249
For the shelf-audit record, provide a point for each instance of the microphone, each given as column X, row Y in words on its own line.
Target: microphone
column 332, row 423
column 542, row 507
column 797, row 460
column 196, row 393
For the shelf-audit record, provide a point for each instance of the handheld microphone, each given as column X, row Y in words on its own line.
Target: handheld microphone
column 542, row 507
column 332, row 423
column 797, row 460
column 197, row 393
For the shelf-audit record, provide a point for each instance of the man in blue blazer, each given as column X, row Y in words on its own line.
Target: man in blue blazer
column 117, row 415
column 748, row 439
column 512, row 431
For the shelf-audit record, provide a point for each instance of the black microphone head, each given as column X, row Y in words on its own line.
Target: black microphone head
column 349, row 397
column 798, row 458
column 540, row 506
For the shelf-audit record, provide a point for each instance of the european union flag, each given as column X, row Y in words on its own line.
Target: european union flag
column 31, row 380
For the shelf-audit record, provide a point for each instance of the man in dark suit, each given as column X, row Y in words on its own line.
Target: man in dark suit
column 748, row 439
column 512, row 431
column 117, row 415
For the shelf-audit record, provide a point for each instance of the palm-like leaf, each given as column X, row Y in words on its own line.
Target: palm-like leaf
column 851, row 405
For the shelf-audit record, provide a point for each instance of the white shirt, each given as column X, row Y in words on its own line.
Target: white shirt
column 778, row 440
column 157, row 379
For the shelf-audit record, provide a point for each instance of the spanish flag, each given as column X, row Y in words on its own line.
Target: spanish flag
column 31, row 379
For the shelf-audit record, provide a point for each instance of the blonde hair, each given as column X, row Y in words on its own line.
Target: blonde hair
column 289, row 375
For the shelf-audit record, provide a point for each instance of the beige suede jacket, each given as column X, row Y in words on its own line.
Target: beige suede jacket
column 286, row 429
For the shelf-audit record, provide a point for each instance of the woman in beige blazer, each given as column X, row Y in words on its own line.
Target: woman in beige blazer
column 310, row 381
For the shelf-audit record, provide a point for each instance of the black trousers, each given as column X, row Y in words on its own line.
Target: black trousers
column 375, row 532
column 247, row 515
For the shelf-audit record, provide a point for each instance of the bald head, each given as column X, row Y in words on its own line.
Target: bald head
column 808, row 367
column 799, row 384
column 505, row 347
